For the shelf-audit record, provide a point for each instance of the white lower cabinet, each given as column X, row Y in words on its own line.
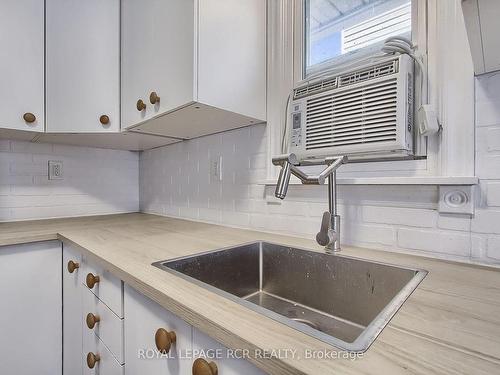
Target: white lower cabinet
column 72, row 310
column 31, row 309
column 76, row 332
column 146, row 323
column 144, row 319
column 92, row 332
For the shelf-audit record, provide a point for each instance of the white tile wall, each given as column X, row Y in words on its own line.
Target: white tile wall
column 175, row 180
column 96, row 181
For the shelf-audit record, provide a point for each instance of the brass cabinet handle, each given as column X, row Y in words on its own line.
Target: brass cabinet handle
column 202, row 367
column 104, row 119
column 91, row 280
column 72, row 266
column 92, row 320
column 164, row 340
column 140, row 105
column 92, row 359
column 29, row 117
column 154, row 98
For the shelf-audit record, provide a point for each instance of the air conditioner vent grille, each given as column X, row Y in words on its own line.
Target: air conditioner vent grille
column 313, row 88
column 354, row 116
column 372, row 72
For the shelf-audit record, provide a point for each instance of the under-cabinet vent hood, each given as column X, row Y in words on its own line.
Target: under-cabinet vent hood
column 481, row 20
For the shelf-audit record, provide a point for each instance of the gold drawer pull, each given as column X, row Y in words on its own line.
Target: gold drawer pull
column 92, row 359
column 140, row 105
column 104, row 119
column 154, row 98
column 202, row 367
column 92, row 280
column 72, row 266
column 92, row 320
column 164, row 340
column 29, row 117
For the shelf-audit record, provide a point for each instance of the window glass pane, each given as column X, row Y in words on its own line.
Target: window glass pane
column 339, row 29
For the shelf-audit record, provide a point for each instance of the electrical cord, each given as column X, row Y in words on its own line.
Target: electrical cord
column 402, row 45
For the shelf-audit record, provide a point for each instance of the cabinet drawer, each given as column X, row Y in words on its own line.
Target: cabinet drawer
column 144, row 318
column 107, row 363
column 108, row 288
column 225, row 364
column 104, row 323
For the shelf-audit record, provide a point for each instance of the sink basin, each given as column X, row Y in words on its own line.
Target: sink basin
column 340, row 300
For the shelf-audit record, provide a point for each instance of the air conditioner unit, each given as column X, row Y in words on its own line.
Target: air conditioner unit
column 366, row 112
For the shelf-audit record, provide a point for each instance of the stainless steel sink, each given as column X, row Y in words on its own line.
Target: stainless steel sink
column 343, row 301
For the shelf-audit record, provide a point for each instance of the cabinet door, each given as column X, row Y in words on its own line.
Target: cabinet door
column 83, row 65
column 227, row 362
column 143, row 318
column 157, row 56
column 72, row 311
column 21, row 64
column 232, row 56
column 31, row 310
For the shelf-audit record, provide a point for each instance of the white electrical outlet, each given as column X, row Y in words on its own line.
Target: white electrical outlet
column 55, row 170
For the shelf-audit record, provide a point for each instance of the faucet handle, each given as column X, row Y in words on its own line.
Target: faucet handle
column 324, row 237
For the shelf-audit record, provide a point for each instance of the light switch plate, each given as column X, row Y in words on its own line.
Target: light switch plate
column 456, row 199
column 56, row 170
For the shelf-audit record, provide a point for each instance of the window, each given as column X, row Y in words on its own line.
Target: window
column 337, row 31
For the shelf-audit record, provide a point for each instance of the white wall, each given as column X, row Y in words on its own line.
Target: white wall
column 96, row 181
column 176, row 181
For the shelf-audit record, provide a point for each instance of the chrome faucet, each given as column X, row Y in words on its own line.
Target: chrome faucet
column 329, row 233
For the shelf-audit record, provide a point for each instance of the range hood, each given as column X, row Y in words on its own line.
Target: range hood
column 482, row 19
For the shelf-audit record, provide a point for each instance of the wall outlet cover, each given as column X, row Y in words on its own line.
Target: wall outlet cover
column 56, row 170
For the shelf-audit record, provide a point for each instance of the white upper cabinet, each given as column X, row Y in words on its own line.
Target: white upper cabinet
column 83, row 66
column 22, row 64
column 157, row 56
column 481, row 20
column 205, row 60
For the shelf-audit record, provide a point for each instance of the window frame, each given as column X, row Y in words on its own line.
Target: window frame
column 365, row 52
column 450, row 88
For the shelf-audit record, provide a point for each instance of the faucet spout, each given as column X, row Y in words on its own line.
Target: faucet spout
column 329, row 233
column 283, row 181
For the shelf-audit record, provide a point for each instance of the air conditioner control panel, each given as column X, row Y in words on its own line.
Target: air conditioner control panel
column 296, row 118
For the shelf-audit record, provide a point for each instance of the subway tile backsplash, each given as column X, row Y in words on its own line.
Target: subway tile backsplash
column 96, row 181
column 176, row 180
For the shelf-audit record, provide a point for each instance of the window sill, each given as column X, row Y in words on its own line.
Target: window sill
column 418, row 180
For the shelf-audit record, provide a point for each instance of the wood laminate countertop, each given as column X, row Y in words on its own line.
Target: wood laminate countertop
column 449, row 325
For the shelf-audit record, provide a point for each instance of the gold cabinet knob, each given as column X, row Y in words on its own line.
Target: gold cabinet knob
column 164, row 340
column 154, row 98
column 91, row 280
column 72, row 266
column 92, row 320
column 29, row 117
column 104, row 119
column 202, row 367
column 92, row 359
column 140, row 105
